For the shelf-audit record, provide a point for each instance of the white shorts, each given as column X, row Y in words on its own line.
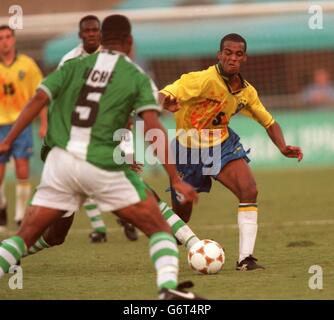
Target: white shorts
column 67, row 181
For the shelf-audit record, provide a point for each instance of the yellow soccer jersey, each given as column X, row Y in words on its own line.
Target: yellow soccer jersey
column 207, row 102
column 18, row 83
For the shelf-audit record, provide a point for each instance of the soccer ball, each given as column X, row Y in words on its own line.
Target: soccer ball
column 206, row 257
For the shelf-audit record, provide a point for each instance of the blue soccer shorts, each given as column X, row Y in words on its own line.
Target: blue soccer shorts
column 199, row 166
column 22, row 146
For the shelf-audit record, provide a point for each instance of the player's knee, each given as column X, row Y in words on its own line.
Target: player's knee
column 249, row 193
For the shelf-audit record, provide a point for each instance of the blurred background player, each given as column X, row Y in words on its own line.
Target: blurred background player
column 207, row 100
column 19, row 78
column 319, row 93
column 115, row 187
column 90, row 34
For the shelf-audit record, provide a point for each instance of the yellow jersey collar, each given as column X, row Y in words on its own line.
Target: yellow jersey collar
column 222, row 74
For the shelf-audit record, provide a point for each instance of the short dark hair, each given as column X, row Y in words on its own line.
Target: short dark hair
column 233, row 37
column 115, row 27
column 7, row 27
column 88, row 18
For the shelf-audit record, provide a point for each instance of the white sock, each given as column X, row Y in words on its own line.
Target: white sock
column 247, row 221
column 3, row 199
column 95, row 216
column 23, row 189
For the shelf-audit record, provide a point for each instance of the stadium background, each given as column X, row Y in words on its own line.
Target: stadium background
column 177, row 36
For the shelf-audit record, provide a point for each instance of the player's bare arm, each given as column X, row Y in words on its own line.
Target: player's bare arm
column 151, row 120
column 43, row 122
column 276, row 135
column 29, row 113
column 169, row 103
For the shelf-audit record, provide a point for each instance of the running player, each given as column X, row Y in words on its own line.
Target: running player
column 90, row 34
column 207, row 148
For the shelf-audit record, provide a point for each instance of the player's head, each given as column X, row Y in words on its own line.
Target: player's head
column 232, row 53
column 7, row 40
column 116, row 33
column 90, row 33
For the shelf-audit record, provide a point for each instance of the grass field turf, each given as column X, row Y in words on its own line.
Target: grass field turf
column 296, row 231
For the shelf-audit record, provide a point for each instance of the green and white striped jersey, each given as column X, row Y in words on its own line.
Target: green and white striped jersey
column 93, row 98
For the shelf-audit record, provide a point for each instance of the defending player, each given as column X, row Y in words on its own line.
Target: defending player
column 207, row 148
column 108, row 87
column 90, row 34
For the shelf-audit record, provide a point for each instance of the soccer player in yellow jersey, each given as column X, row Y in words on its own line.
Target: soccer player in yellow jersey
column 19, row 78
column 204, row 103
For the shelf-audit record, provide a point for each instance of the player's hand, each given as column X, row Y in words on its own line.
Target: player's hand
column 171, row 104
column 293, row 152
column 185, row 192
column 4, row 148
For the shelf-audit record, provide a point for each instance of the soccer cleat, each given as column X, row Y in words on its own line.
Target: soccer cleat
column 3, row 218
column 248, row 264
column 98, row 237
column 179, row 293
column 129, row 230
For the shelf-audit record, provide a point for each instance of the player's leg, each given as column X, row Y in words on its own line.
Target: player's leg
column 164, row 253
column 183, row 210
column 33, row 226
column 23, row 188
column 189, row 168
column 237, row 177
column 54, row 235
column 99, row 233
column 180, row 229
column 22, row 151
column 128, row 197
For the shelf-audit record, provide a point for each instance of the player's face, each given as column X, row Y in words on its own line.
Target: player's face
column 7, row 41
column 232, row 56
column 90, row 35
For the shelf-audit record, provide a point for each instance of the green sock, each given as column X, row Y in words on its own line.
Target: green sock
column 165, row 256
column 38, row 246
column 11, row 251
column 180, row 229
column 95, row 218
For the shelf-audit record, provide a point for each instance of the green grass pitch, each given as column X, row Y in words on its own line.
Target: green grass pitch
column 296, row 231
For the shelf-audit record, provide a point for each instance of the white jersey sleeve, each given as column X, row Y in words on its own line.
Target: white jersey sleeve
column 74, row 53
